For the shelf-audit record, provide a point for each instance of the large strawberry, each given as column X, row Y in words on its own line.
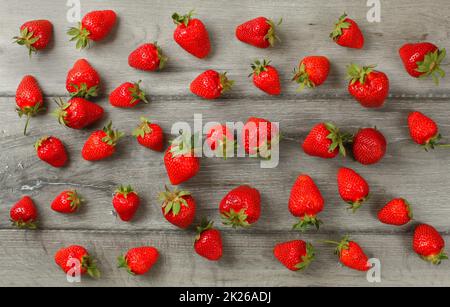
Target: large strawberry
column 369, row 146
column 180, row 160
column 396, row 212
column 347, row 33
column 352, row 187
column 241, row 207
column 35, row 35
column 82, row 80
column 265, row 77
column 126, row 202
column 139, row 260
column 429, row 244
column 127, row 95
column 311, row 72
column 351, row 254
column 220, row 140
column 211, row 84
column 101, row 144
column 76, row 259
column 147, row 57
column 77, row 113
column 258, row 137
column 67, row 202
column 368, row 86
column 149, row 135
column 325, row 141
column 94, row 26
column 178, row 207
column 258, row 32
column 295, row 255
column 24, row 213
column 208, row 242
column 424, row 131
column 29, row 99
column 51, row 150
column 191, row 35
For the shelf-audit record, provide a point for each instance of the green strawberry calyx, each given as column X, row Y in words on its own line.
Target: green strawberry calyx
column 143, row 129
column 173, row 200
column 340, row 246
column 125, row 190
column 183, row 19
column 301, row 76
column 40, row 141
column 306, row 222
column 338, row 139
column 355, row 205
column 437, row 258
column 137, row 93
column 82, row 91
column 434, row 142
column 430, row 66
column 112, row 136
column 184, row 145
column 30, row 112
column 89, row 263
column 21, row 224
column 204, row 226
column 161, row 57
column 75, row 200
column 27, row 39
column 235, row 218
column 271, row 35
column 358, row 73
column 60, row 113
column 339, row 27
column 79, row 34
column 123, row 263
column 226, row 83
column 259, row 66
column 306, row 259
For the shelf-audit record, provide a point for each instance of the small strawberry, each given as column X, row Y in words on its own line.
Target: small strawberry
column 369, row 146
column 29, row 99
column 191, row 35
column 396, row 212
column 208, row 242
column 147, row 57
column 220, row 140
column 94, row 26
column 312, row 71
column 51, row 150
column 210, row 84
column 258, row 137
column 77, row 113
column 76, row 258
column 295, row 255
column 127, row 95
column 347, row 33
column 352, row 187
column 258, row 32
column 149, row 135
column 180, row 160
column 67, row 202
column 325, row 141
column 369, row 87
column 35, row 35
column 24, row 213
column 305, row 202
column 422, row 60
column 126, row 202
column 139, row 260
column 429, row 244
column 82, row 80
column 351, row 254
column 241, row 207
column 424, row 131
column 265, row 77
column 178, row 207
column 101, row 144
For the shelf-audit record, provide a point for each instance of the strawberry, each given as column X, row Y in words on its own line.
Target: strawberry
column 101, row 144
column 82, row 80
column 396, row 212
column 180, row 161
column 351, row 254
column 352, row 187
column 258, row 32
column 147, row 57
column 35, row 35
column 208, row 242
column 305, row 202
column 347, row 33
column 191, row 35
column 369, row 146
column 149, row 135
column 295, row 255
column 429, row 244
column 311, row 72
column 24, row 213
column 258, row 137
column 178, row 207
column 325, row 141
column 94, row 26
column 126, row 202
column 67, row 202
column 369, row 87
column 265, row 77
column 424, row 131
column 51, row 150
column 139, row 260
column 127, row 95
column 66, row 259
column 29, row 99
column 77, row 113
column 422, row 60
column 210, row 84
column 241, row 207
column 220, row 140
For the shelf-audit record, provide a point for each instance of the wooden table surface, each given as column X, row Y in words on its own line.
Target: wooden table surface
column 406, row 171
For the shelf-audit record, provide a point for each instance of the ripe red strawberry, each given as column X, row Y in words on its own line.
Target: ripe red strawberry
column 396, row 212
column 208, row 242
column 82, row 80
column 241, row 207
column 424, row 131
column 139, row 260
column 35, row 35
column 147, row 57
column 220, row 139
column 258, row 32
column 126, row 202
column 178, row 207
column 29, row 99
column 351, row 254
column 127, row 95
column 347, row 33
column 429, row 244
column 369, row 146
column 265, row 77
column 66, row 257
column 149, row 135
column 94, row 26
column 24, row 213
column 180, row 161
column 305, row 202
column 352, row 187
column 422, row 60
column 67, row 202
column 191, row 35
column 295, row 255
column 325, row 141
column 77, row 113
column 210, row 84
column 369, row 87
column 258, row 137
column 101, row 144
column 312, row 71
column 51, row 150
